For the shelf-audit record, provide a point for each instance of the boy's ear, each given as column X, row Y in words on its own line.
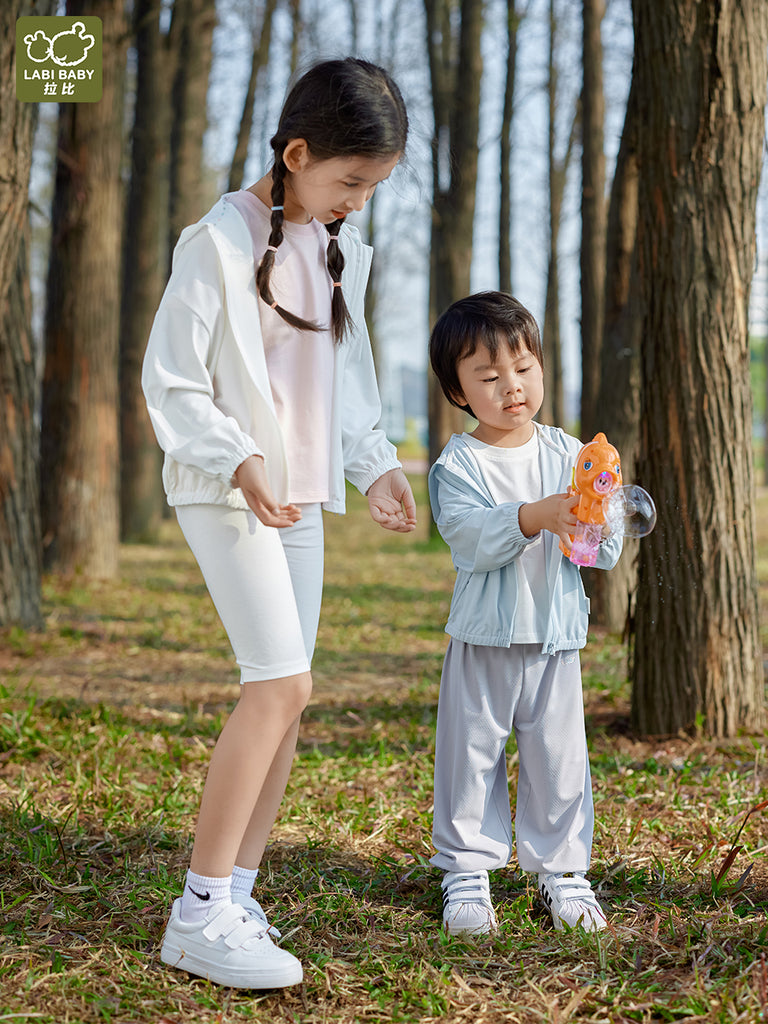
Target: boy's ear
column 296, row 155
column 458, row 398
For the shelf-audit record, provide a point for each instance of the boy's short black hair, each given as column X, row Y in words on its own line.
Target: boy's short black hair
column 486, row 318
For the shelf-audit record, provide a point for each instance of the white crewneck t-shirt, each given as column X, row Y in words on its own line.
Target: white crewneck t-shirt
column 300, row 363
column 514, row 474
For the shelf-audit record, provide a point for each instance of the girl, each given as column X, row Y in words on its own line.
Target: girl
column 260, row 385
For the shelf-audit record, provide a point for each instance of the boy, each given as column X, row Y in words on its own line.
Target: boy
column 518, row 617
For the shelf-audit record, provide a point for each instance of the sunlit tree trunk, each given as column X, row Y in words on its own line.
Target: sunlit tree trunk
column 80, row 455
column 701, row 71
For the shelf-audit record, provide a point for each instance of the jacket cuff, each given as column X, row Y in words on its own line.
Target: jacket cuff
column 363, row 480
column 238, row 458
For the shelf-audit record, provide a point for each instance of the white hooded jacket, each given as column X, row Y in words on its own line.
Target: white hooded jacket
column 205, row 375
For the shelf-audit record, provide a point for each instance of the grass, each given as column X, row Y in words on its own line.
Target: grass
column 106, row 724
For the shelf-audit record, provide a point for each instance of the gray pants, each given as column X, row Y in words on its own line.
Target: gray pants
column 485, row 694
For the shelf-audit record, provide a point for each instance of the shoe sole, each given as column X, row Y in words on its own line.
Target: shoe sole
column 268, row 977
column 479, row 930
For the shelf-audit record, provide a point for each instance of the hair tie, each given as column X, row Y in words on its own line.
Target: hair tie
column 271, row 248
column 333, row 238
column 276, row 208
column 274, row 305
column 337, row 284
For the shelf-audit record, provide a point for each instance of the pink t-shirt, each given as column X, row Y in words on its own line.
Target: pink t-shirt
column 300, row 363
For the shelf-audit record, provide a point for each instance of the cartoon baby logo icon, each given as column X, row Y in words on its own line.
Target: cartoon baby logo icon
column 59, row 59
column 67, row 49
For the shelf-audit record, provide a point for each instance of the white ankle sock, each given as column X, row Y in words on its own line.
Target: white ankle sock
column 243, row 880
column 201, row 893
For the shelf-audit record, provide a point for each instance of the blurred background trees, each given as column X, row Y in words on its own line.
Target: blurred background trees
column 620, row 205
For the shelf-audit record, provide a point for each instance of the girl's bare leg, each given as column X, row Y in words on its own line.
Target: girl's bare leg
column 272, row 792
column 248, row 773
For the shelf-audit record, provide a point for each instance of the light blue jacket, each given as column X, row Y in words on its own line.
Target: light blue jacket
column 485, row 540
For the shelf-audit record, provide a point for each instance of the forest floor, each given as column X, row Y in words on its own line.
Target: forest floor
column 107, row 720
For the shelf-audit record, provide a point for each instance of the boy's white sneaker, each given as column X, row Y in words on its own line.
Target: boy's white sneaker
column 230, row 947
column 467, row 907
column 569, row 898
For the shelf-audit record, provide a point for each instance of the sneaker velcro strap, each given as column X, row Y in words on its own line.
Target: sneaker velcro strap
column 570, row 888
column 466, row 888
column 250, row 929
column 234, row 925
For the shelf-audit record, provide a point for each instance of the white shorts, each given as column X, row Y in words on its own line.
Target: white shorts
column 266, row 584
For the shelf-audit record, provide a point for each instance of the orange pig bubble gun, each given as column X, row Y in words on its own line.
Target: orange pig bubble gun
column 606, row 506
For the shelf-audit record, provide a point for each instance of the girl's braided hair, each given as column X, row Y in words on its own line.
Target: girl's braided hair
column 340, row 108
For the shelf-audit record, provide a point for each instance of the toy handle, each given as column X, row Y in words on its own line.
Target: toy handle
column 585, row 543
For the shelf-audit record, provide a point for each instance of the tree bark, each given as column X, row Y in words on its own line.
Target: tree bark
column 20, row 553
column 455, row 62
column 191, row 41
column 612, row 593
column 553, row 406
column 144, row 275
column 260, row 58
column 20, row 550
column 593, row 215
column 296, row 33
column 701, row 74
column 505, row 201
column 80, row 449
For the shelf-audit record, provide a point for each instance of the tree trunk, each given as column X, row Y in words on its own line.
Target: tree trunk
column 80, row 450
column 593, row 215
column 259, row 60
column 191, row 38
column 701, row 76
column 618, row 399
column 144, row 275
column 455, row 61
column 296, row 32
column 505, row 203
column 20, row 553
column 20, row 549
column 553, row 406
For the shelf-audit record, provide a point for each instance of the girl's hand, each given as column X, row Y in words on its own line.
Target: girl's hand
column 391, row 504
column 553, row 513
column 251, row 478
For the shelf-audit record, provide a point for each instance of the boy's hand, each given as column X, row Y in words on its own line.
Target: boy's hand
column 553, row 513
column 251, row 478
column 391, row 503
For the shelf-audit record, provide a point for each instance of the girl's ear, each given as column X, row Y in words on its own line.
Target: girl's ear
column 296, row 155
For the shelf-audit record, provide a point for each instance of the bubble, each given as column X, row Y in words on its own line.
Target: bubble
column 630, row 511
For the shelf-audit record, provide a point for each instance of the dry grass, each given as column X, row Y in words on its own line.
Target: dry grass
column 107, row 722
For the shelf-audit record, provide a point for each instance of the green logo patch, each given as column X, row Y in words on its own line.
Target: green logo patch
column 58, row 59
